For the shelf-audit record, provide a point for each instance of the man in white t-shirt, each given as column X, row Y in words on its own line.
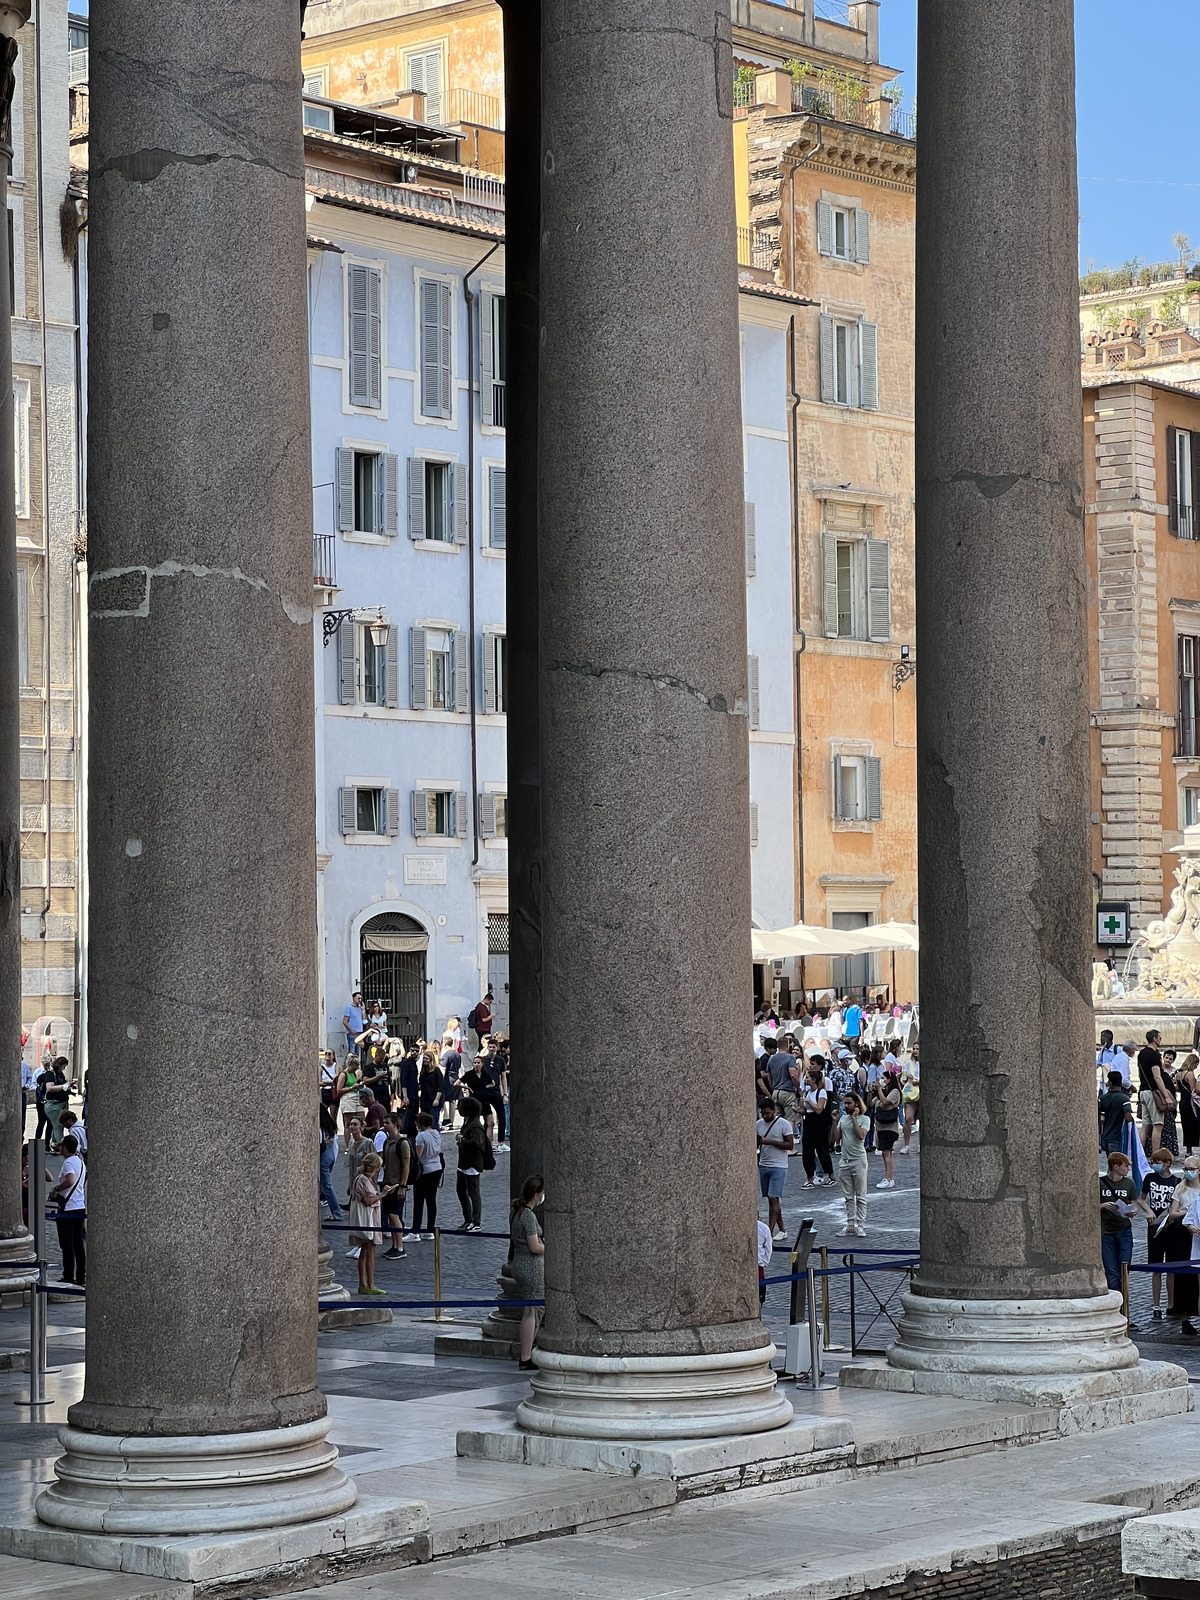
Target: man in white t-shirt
column 70, row 1189
column 776, row 1140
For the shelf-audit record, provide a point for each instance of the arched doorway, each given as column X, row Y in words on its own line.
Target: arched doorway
column 392, row 957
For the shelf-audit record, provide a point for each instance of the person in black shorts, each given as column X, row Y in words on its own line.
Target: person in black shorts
column 1165, row 1241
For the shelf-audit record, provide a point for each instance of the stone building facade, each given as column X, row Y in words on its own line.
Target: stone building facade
column 1142, row 474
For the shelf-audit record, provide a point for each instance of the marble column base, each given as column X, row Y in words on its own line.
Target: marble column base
column 654, row 1397
column 195, row 1483
column 18, row 1273
column 1069, row 1355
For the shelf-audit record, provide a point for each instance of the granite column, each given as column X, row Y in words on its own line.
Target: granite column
column 16, row 1244
column 1010, row 1283
column 652, row 1325
column 201, row 1411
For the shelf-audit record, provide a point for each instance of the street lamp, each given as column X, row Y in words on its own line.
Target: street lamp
column 331, row 621
column 379, row 633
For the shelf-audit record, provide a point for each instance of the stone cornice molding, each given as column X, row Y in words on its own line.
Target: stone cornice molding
column 843, row 150
column 1133, row 717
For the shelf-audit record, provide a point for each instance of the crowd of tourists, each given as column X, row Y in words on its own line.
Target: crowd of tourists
column 49, row 1088
column 844, row 1080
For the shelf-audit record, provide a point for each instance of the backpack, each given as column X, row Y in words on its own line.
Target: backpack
column 841, row 1081
column 473, row 1018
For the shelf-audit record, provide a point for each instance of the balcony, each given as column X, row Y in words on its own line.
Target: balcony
column 325, row 560
column 480, row 110
column 826, row 100
column 755, row 249
column 481, row 190
column 77, row 67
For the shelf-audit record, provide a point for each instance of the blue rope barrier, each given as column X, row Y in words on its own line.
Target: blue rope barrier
column 1173, row 1267
column 832, row 1272
column 421, row 1305
column 446, row 1233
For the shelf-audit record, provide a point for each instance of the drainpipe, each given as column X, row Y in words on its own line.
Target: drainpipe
column 470, row 300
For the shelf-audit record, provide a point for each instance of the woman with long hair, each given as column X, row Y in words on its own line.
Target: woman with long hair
column 1188, row 1090
column 527, row 1260
column 366, row 1220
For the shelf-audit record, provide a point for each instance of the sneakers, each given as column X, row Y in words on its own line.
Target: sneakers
column 778, row 1233
column 1186, row 1326
column 393, row 1254
column 353, row 1252
column 886, row 1183
column 808, row 1184
column 861, row 1232
column 428, row 1237
column 1157, row 1315
column 473, row 1227
column 847, row 1229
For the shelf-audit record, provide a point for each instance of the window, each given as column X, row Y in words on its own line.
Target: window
column 21, row 443
column 849, row 363
column 439, row 813
column 1183, row 483
column 493, row 816
column 369, row 810
column 23, row 624
column 364, row 295
column 497, row 508
column 437, row 376
column 1191, row 807
column 495, row 672
column 425, row 77
column 368, row 498
column 751, row 539
column 857, row 789
column 320, row 117
column 439, row 669
column 852, row 972
column 1189, row 652
column 314, row 83
column 843, row 232
column 493, row 359
column 857, row 582
column 368, row 673
column 437, row 501
column 752, row 686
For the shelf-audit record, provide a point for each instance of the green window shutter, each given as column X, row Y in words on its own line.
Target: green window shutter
column 868, row 361
column 489, row 672
column 348, row 810
column 458, row 502
column 391, row 685
column 391, row 494
column 460, row 814
column 753, row 824
column 418, row 670
column 828, row 362
column 460, row 668
column 497, row 508
column 374, row 338
column 873, row 810
column 391, row 811
column 824, row 228
column 862, row 235
column 829, row 584
column 420, row 813
column 358, row 294
column 416, row 498
column 751, row 540
column 347, row 666
column 446, row 323
column 345, row 491
column 487, row 360
column 431, row 349
column 752, row 681
column 487, row 816
column 879, row 590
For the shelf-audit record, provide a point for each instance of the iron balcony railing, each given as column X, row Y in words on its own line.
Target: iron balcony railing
column 755, row 249
column 470, row 105
column 483, row 191
column 77, row 67
column 325, row 560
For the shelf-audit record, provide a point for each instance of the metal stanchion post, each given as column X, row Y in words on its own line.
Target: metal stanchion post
column 1125, row 1294
column 825, row 1295
column 848, row 1261
column 814, row 1336
column 37, row 1301
column 437, row 1273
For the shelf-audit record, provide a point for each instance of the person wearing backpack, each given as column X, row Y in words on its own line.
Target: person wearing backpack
column 480, row 1018
column 472, row 1160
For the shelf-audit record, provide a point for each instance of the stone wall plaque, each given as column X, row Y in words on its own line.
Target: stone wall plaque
column 424, row 869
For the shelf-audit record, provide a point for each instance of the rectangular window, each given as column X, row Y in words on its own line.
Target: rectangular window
column 1191, row 807
column 23, row 624
column 857, row 789
column 369, row 810
column 497, row 508
column 1183, row 483
column 848, row 790
column 441, row 682
column 439, row 520
column 501, row 816
column 857, row 585
column 493, row 816
column 849, row 359
column 437, row 377
column 499, row 359
column 495, row 673
column 439, row 804
column 425, row 77
column 843, row 232
column 845, row 590
column 374, row 671
column 1188, row 647
column 368, row 493
column 364, row 293
column 21, row 402
column 319, row 117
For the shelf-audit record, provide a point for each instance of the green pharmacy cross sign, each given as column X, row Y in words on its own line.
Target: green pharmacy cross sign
column 1112, row 922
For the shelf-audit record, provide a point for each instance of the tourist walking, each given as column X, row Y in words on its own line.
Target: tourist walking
column 431, row 1163
column 776, row 1141
column 1119, row 1204
column 526, row 1257
column 816, row 1130
column 328, row 1160
column 910, row 1095
column 887, row 1102
column 365, row 1221
column 397, row 1166
column 69, row 1194
column 480, row 1018
column 852, row 1134
column 473, row 1152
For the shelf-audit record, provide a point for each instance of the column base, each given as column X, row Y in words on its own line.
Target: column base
column 1069, row 1355
column 18, row 1270
column 195, row 1483
column 654, row 1397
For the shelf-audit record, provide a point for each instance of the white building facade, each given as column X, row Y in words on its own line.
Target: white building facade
column 407, row 383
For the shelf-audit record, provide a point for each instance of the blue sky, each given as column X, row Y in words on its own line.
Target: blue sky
column 1139, row 181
